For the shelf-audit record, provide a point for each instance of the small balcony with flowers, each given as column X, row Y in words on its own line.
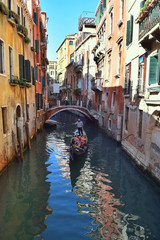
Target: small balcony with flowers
column 149, row 23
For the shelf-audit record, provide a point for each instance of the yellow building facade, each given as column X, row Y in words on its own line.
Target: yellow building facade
column 63, row 56
column 17, row 98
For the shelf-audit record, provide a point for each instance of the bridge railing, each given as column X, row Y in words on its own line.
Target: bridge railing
column 63, row 102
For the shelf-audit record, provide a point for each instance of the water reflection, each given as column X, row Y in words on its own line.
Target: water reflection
column 24, row 197
column 102, row 196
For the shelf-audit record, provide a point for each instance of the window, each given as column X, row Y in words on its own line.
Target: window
column 11, row 62
column 111, row 22
column 9, row 4
column 119, row 58
column 113, row 100
column 110, row 124
column 52, row 72
column 121, row 9
column 106, row 101
column 126, row 117
column 154, row 69
column 1, row 57
column 71, row 43
column 18, row 10
column 21, row 67
column 129, row 33
column 40, row 75
column 109, row 67
column 127, row 84
column 140, row 123
column 4, row 119
column 141, row 74
column 27, row 71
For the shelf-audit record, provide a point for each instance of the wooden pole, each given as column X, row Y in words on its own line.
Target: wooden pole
column 20, row 143
column 28, row 138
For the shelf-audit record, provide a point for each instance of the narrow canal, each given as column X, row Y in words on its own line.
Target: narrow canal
column 102, row 196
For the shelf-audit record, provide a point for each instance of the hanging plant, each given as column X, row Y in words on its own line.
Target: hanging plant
column 22, row 29
column 27, row 40
column 3, row 8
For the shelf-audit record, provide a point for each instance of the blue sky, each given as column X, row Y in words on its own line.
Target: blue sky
column 63, row 20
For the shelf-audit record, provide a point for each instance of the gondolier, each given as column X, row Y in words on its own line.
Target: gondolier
column 79, row 124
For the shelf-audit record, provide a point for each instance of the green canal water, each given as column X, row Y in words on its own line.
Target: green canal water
column 101, row 196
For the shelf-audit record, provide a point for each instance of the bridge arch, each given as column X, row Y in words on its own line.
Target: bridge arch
column 53, row 111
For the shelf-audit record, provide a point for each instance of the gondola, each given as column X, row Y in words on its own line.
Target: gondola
column 78, row 148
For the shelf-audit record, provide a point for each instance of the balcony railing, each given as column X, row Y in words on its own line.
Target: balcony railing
column 97, row 84
column 152, row 18
column 78, row 65
column 87, row 19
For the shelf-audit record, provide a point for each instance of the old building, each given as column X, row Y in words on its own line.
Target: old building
column 84, row 65
column 141, row 125
column 39, row 48
column 63, row 58
column 17, row 98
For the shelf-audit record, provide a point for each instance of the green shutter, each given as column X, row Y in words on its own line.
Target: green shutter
column 28, row 70
column 33, row 76
column 37, row 46
column 21, row 67
column 104, row 3
column 153, row 70
column 155, row 12
column 158, row 80
column 142, row 4
column 128, row 33
column 131, row 29
column 35, row 18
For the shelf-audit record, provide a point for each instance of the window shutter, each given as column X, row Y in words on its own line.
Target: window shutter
column 128, row 33
column 158, row 68
column 35, row 18
column 104, row 3
column 36, row 73
column 37, row 46
column 142, row 4
column 28, row 70
column 33, row 76
column 153, row 70
column 37, row 101
column 21, row 67
column 131, row 29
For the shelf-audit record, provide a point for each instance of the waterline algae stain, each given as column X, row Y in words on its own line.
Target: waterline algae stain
column 101, row 196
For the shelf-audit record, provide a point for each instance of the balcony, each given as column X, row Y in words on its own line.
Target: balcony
column 149, row 21
column 97, row 84
column 86, row 19
column 79, row 65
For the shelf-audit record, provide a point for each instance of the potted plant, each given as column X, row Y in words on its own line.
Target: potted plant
column 3, row 8
column 77, row 91
column 27, row 40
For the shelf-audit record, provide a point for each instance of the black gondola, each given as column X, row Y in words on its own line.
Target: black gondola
column 78, row 148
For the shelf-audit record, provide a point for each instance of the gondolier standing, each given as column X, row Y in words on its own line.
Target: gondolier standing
column 79, row 124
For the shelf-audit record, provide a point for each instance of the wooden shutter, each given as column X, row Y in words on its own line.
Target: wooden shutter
column 33, row 76
column 158, row 80
column 142, row 4
column 37, row 46
column 131, row 29
column 104, row 3
column 37, row 101
column 35, row 18
column 28, row 70
column 36, row 73
column 153, row 70
column 21, row 67
column 128, row 33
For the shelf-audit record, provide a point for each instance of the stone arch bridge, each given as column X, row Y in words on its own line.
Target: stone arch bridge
column 53, row 111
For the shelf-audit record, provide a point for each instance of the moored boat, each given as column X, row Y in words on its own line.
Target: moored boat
column 50, row 123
